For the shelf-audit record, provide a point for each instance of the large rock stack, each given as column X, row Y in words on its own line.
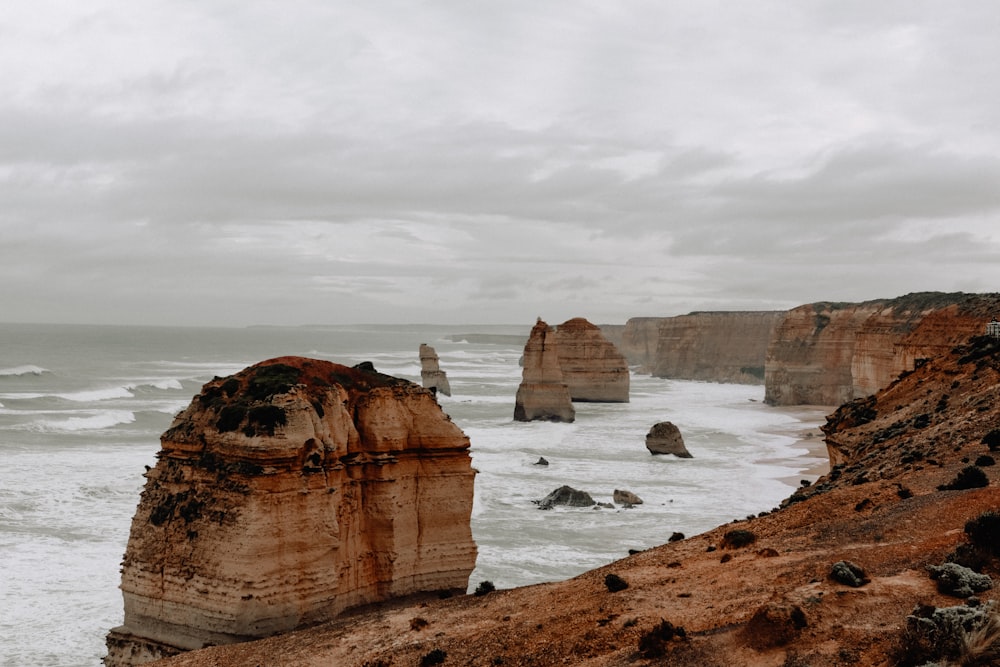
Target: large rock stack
column 431, row 375
column 542, row 394
column 592, row 367
column 285, row 494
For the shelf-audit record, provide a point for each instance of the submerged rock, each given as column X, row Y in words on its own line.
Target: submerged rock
column 566, row 495
column 622, row 497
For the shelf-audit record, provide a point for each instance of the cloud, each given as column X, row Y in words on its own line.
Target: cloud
column 386, row 160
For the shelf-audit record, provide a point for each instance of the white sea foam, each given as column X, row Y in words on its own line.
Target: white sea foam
column 26, row 369
column 100, row 420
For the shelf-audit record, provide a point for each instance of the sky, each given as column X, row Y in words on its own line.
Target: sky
column 216, row 162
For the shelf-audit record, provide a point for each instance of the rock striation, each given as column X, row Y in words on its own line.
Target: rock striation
column 286, row 494
column 830, row 353
column 718, row 346
column 543, row 394
column 431, row 375
column 665, row 438
column 592, row 367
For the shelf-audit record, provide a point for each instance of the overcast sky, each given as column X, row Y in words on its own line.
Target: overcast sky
column 237, row 162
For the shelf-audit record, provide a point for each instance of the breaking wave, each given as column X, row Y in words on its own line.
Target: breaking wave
column 27, row 369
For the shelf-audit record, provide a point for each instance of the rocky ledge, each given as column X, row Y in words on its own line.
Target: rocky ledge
column 842, row 574
column 286, row 494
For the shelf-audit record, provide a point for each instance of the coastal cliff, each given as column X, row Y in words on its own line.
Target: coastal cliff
column 829, row 353
column 842, row 573
column 709, row 346
column 284, row 495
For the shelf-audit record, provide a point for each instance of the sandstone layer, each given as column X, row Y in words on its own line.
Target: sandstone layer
column 758, row 592
column 828, row 353
column 543, row 394
column 284, row 495
column 708, row 346
column 431, row 375
column 592, row 367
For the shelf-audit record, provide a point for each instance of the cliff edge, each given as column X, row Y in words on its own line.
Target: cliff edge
column 766, row 591
column 284, row 495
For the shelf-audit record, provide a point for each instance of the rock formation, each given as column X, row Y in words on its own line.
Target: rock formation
column 622, row 497
column 592, row 367
column 829, row 353
column 568, row 496
column 431, row 375
column 768, row 601
column 286, row 494
column 665, row 438
column 542, row 394
column 710, row 346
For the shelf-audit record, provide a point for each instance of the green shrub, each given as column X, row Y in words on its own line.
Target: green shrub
column 969, row 477
column 653, row 644
column 615, row 583
column 737, row 539
column 984, row 531
column 484, row 587
column 435, row 657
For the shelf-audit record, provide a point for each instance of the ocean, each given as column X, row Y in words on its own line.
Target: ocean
column 82, row 409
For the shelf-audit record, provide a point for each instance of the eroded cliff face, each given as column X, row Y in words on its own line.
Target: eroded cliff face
column 592, row 367
column 709, row 346
column 829, row 353
column 286, row 494
column 543, row 394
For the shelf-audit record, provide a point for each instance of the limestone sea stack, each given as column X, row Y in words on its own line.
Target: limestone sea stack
column 592, row 367
column 286, row 494
column 542, row 394
column 431, row 375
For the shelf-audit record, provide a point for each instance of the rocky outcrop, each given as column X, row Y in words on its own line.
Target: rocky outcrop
column 568, row 496
column 623, row 497
column 829, row 353
column 665, row 438
column 543, row 394
column 709, row 346
column 286, row 494
column 431, row 375
column 592, row 367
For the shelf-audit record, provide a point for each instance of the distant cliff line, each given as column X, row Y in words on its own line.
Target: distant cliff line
column 823, row 353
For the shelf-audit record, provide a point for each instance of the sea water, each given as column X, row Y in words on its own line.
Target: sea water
column 82, row 409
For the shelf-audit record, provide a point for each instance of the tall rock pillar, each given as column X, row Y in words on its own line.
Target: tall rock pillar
column 542, row 395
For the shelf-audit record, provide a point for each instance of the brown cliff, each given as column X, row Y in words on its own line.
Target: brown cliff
column 763, row 597
column 592, row 367
column 284, row 495
column 542, row 394
column 431, row 375
column 828, row 353
column 715, row 346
